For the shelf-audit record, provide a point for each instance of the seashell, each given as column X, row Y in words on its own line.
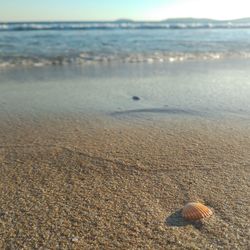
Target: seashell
column 196, row 211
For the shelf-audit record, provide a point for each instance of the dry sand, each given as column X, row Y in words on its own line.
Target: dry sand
column 96, row 184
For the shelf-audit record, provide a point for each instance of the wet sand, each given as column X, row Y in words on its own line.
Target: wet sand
column 98, row 183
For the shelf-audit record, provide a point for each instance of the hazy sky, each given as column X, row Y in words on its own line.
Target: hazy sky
column 25, row 10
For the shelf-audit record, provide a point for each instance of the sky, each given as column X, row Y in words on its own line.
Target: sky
column 153, row 10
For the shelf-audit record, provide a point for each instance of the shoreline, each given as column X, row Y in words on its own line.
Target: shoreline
column 182, row 89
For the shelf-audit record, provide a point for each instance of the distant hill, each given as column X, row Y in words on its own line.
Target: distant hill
column 188, row 20
column 123, row 20
column 241, row 20
column 205, row 20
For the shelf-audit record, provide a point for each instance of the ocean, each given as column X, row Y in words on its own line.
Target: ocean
column 64, row 43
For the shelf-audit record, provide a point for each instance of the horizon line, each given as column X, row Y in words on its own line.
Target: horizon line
column 123, row 19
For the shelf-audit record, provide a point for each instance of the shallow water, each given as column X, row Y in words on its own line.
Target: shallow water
column 205, row 89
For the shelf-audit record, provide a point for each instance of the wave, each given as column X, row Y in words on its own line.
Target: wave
column 89, row 58
column 116, row 25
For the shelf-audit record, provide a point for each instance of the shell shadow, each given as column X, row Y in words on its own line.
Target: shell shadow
column 176, row 220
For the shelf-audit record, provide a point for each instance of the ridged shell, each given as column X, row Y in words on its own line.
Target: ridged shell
column 196, row 211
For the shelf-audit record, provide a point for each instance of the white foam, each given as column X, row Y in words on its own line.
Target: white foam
column 118, row 25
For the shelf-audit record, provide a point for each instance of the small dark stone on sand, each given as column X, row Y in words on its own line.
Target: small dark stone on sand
column 136, row 98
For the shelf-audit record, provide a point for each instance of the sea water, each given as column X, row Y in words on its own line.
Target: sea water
column 39, row 44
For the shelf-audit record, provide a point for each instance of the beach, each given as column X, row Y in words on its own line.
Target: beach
column 85, row 166
column 71, row 184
